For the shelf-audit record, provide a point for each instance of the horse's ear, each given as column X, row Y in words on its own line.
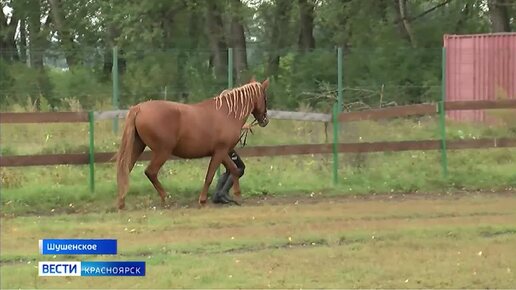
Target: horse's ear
column 265, row 84
column 252, row 80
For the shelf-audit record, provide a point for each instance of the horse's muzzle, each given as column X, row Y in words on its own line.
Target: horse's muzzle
column 264, row 122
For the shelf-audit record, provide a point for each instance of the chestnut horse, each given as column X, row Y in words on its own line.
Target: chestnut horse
column 210, row 128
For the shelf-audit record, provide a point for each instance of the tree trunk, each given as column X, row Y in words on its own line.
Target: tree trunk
column 383, row 7
column 217, row 42
column 342, row 39
column 35, row 37
column 4, row 37
column 404, row 25
column 499, row 15
column 167, row 22
column 65, row 33
column 7, row 38
column 23, row 41
column 464, row 15
column 109, row 44
column 279, row 25
column 195, row 27
column 238, row 41
column 306, row 40
column 36, row 48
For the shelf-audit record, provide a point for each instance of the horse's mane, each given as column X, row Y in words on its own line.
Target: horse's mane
column 241, row 97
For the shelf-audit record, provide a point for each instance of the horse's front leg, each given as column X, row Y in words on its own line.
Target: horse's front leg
column 215, row 161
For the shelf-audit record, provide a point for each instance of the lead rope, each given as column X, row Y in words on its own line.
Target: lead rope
column 244, row 134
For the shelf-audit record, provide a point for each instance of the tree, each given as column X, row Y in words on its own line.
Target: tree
column 404, row 23
column 237, row 38
column 499, row 15
column 169, row 48
column 216, row 37
column 66, row 36
column 7, row 36
column 306, row 40
column 279, row 24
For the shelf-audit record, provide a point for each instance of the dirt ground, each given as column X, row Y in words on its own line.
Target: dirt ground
column 460, row 240
column 317, row 197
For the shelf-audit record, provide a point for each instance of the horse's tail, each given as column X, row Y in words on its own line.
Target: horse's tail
column 124, row 155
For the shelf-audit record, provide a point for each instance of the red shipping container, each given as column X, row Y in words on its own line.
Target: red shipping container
column 479, row 67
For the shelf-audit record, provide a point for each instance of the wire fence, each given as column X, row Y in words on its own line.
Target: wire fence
column 376, row 77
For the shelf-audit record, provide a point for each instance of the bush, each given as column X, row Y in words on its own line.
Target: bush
column 22, row 82
column 81, row 84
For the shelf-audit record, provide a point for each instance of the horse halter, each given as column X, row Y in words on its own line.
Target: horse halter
column 264, row 120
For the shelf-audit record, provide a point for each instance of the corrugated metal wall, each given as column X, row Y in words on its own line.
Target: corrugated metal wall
column 479, row 67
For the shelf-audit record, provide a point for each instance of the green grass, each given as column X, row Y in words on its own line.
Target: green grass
column 40, row 190
column 64, row 188
column 459, row 242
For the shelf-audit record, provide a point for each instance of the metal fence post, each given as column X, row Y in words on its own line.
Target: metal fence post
column 91, row 120
column 337, row 108
column 340, row 73
column 230, row 68
column 230, row 81
column 116, row 88
column 335, row 142
column 442, row 115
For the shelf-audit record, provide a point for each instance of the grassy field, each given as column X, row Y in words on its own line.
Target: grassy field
column 61, row 188
column 417, row 241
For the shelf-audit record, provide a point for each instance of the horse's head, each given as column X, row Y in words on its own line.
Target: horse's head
column 260, row 104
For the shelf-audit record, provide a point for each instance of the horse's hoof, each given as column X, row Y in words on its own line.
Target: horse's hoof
column 202, row 202
column 238, row 199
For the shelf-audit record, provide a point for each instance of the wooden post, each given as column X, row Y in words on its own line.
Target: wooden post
column 91, row 120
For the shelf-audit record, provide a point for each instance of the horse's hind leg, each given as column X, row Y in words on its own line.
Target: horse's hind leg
column 152, row 170
column 138, row 147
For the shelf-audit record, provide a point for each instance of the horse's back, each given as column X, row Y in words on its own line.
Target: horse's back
column 154, row 104
column 157, row 122
column 188, row 131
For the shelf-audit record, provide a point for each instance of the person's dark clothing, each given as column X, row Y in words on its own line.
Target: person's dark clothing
column 225, row 181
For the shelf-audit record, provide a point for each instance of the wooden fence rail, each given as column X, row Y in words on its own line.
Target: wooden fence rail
column 44, row 117
column 374, row 114
column 278, row 150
